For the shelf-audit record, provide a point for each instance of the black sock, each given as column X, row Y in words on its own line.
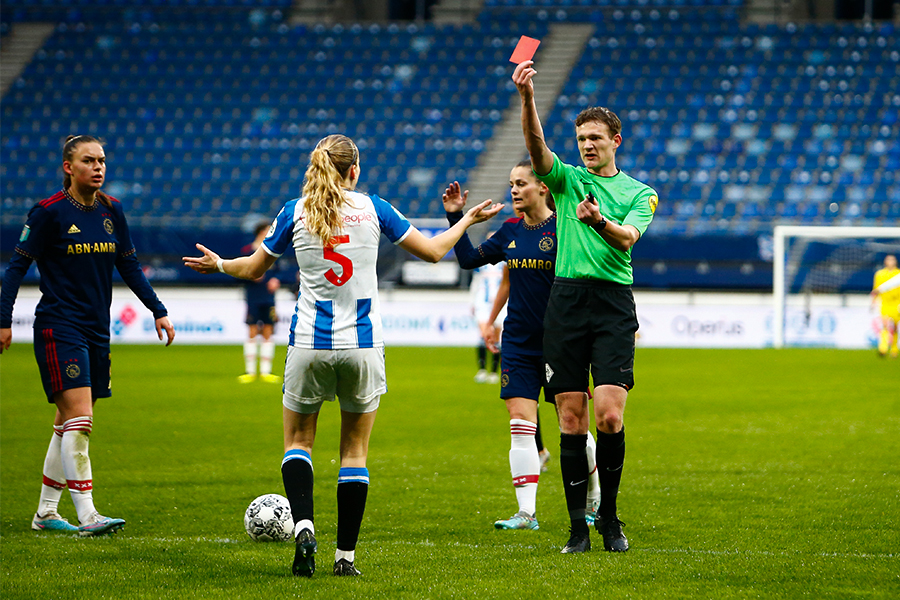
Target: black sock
column 538, row 440
column 610, row 460
column 352, row 489
column 297, row 474
column 495, row 362
column 482, row 357
column 574, row 467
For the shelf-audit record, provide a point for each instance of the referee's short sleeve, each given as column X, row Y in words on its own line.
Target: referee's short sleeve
column 642, row 210
column 555, row 180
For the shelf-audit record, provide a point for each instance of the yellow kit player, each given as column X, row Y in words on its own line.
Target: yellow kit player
column 890, row 306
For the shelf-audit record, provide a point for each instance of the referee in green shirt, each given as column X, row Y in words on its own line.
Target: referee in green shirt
column 591, row 321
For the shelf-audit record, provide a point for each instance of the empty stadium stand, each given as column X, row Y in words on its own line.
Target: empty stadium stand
column 209, row 110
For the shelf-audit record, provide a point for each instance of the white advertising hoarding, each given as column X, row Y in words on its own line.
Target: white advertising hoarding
column 217, row 317
column 729, row 326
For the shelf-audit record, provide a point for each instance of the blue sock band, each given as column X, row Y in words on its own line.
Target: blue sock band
column 348, row 474
column 297, row 454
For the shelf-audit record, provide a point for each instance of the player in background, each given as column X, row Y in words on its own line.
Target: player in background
column 486, row 281
column 593, row 496
column 77, row 237
column 261, row 317
column 591, row 320
column 528, row 245
column 890, row 307
column 335, row 345
column 491, row 338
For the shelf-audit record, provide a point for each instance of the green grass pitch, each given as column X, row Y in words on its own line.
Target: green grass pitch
column 749, row 474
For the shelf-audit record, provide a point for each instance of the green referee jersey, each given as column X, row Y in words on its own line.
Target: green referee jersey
column 582, row 253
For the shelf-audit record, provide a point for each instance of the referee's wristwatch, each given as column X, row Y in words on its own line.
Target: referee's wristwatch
column 601, row 225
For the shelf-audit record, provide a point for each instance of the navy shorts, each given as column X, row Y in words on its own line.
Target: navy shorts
column 589, row 325
column 67, row 359
column 261, row 313
column 521, row 376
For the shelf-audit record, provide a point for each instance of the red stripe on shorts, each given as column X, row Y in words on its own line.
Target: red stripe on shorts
column 52, row 361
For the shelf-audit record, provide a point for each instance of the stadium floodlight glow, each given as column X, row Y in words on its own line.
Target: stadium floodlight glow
column 782, row 270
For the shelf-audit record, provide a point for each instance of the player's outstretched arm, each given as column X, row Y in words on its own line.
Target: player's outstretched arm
column 245, row 267
column 434, row 249
column 541, row 156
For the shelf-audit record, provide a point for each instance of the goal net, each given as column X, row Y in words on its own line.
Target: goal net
column 817, row 265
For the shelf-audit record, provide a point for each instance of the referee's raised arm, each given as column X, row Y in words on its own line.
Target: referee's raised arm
column 541, row 156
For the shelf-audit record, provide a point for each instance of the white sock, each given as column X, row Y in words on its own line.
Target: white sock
column 266, row 353
column 304, row 524
column 250, row 353
column 348, row 554
column 524, row 463
column 77, row 465
column 54, row 478
column 593, row 493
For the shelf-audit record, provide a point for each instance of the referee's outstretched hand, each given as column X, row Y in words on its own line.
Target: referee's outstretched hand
column 202, row 264
column 522, row 78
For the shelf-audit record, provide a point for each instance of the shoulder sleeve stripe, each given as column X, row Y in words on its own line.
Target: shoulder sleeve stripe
column 52, row 199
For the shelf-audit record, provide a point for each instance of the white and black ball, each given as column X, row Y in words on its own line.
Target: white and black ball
column 268, row 519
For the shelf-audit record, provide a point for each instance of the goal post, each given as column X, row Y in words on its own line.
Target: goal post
column 848, row 253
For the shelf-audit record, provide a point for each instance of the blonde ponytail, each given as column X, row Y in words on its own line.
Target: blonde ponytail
column 323, row 191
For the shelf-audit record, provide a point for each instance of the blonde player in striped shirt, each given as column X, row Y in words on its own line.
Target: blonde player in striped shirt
column 335, row 347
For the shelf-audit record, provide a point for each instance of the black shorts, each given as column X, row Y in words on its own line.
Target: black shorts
column 67, row 359
column 589, row 324
column 261, row 313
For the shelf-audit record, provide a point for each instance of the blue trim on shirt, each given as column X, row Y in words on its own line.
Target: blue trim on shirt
column 280, row 239
column 364, row 323
column 324, row 325
column 294, row 322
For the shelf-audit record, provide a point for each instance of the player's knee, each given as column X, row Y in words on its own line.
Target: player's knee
column 609, row 421
column 571, row 423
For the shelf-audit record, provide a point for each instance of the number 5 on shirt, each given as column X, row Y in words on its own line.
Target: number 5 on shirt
column 345, row 262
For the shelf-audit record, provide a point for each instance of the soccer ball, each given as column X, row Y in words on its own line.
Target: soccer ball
column 268, row 519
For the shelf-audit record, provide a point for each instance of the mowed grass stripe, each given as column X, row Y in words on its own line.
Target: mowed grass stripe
column 748, row 474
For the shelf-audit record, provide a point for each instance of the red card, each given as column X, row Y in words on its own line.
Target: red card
column 525, row 49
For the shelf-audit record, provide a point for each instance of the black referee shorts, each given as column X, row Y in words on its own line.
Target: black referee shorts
column 589, row 323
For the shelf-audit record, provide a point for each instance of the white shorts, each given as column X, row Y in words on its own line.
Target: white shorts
column 355, row 375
